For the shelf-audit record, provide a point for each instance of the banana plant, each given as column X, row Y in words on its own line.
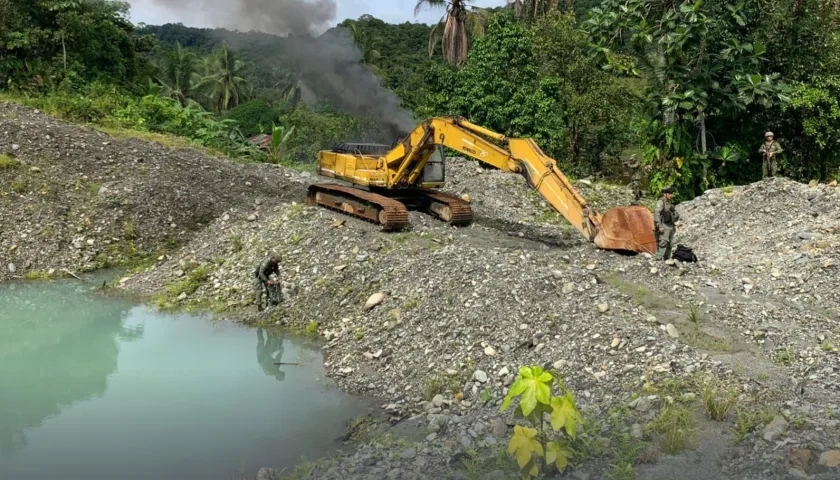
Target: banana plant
column 279, row 136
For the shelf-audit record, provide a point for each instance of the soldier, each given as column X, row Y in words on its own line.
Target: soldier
column 265, row 269
column 635, row 179
column 768, row 150
column 665, row 217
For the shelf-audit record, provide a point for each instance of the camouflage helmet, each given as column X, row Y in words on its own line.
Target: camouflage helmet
column 769, row 134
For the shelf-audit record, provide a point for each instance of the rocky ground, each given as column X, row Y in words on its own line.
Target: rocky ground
column 73, row 197
column 437, row 321
column 727, row 368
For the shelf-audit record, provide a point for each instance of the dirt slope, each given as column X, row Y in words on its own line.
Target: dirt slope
column 73, row 197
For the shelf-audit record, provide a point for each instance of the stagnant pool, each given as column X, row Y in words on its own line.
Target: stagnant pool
column 93, row 387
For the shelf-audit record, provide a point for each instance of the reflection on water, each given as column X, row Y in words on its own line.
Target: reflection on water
column 92, row 386
column 269, row 352
column 54, row 352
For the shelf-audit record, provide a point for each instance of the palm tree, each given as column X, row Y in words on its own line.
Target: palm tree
column 365, row 43
column 291, row 86
column 534, row 8
column 176, row 71
column 223, row 81
column 455, row 22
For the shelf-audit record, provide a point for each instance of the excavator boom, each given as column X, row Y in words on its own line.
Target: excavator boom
column 406, row 175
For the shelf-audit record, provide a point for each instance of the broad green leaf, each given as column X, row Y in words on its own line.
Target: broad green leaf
column 523, row 445
column 564, row 414
column 558, row 453
column 534, row 386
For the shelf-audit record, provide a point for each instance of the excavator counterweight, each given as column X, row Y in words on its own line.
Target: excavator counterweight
column 387, row 182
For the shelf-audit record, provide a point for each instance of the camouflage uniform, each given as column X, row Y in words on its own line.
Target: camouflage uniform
column 665, row 216
column 635, row 179
column 261, row 274
column 768, row 163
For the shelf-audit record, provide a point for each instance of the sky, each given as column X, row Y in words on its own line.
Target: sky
column 391, row 11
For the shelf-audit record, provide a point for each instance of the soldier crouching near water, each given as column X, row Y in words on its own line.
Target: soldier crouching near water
column 269, row 266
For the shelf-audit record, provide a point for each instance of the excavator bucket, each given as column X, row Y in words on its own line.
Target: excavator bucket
column 627, row 228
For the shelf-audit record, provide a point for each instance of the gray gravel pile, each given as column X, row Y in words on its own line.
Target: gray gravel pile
column 774, row 238
column 415, row 318
column 73, row 197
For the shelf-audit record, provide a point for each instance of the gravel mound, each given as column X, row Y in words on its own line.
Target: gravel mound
column 73, row 197
column 779, row 236
column 435, row 321
column 415, row 318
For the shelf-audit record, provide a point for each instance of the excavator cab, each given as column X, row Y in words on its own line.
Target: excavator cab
column 435, row 169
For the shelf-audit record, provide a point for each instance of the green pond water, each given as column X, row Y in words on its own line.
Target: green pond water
column 93, row 387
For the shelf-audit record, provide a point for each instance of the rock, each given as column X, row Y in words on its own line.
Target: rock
column 438, row 400
column 374, row 300
column 807, row 235
column 252, row 217
column 35, row 170
column 830, row 458
column 603, row 308
column 496, row 475
column 430, row 437
column 568, row 288
column 672, row 331
column 775, row 428
column 480, row 376
column 266, row 474
column 408, row 454
column 499, row 428
column 12, row 268
column 182, row 296
column 642, row 404
column 797, row 473
column 800, row 459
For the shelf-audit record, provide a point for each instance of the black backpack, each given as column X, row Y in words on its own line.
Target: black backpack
column 684, row 254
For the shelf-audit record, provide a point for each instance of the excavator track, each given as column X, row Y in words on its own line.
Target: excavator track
column 443, row 206
column 390, row 214
column 448, row 208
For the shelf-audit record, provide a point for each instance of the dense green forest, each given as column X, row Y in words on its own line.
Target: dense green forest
column 689, row 86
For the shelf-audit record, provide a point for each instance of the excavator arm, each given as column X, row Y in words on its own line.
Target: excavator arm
column 392, row 180
column 624, row 228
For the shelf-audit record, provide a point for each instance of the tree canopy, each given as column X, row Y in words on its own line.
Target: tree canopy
column 688, row 85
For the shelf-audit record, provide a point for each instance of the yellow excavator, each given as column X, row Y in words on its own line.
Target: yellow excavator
column 387, row 182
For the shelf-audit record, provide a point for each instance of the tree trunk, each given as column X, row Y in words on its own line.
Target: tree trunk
column 703, row 146
column 64, row 49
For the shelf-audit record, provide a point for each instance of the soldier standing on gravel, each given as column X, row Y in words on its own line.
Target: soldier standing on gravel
column 768, row 150
column 265, row 269
column 665, row 217
column 636, row 178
